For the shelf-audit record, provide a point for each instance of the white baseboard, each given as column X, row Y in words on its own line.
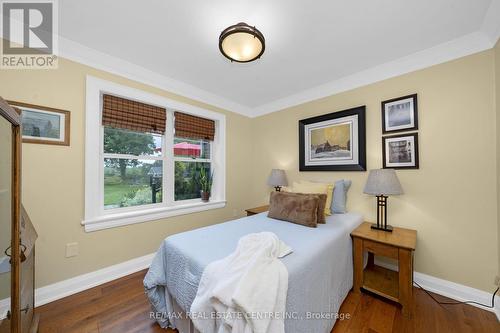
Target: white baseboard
column 450, row 289
column 83, row 282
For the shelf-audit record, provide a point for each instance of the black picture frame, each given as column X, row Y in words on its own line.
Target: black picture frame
column 396, row 129
column 415, row 164
column 360, row 112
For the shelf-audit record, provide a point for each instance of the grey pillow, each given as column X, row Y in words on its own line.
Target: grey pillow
column 339, row 201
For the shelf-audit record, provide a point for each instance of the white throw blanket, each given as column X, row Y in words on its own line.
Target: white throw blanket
column 246, row 290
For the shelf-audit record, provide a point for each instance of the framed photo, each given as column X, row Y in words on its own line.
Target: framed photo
column 44, row 125
column 400, row 151
column 333, row 142
column 400, row 114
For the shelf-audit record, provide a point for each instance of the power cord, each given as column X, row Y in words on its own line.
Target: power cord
column 457, row 302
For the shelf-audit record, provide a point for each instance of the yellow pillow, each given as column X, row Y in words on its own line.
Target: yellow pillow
column 311, row 187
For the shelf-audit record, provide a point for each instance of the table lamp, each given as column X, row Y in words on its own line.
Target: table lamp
column 277, row 178
column 382, row 183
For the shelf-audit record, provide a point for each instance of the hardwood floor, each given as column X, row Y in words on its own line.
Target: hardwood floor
column 121, row 307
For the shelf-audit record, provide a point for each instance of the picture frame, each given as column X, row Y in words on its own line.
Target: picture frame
column 333, row 142
column 400, row 151
column 400, row 114
column 44, row 125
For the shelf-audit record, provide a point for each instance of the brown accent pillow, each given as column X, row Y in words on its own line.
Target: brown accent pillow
column 321, row 206
column 293, row 207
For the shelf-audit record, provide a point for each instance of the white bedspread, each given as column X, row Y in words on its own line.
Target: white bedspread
column 247, row 289
column 319, row 270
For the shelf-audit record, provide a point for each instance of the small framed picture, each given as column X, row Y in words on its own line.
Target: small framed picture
column 400, row 151
column 400, row 114
column 44, row 125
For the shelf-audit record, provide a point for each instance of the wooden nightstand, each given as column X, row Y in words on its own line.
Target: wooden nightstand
column 400, row 245
column 257, row 210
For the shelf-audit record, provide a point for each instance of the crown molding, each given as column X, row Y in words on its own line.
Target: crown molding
column 475, row 42
column 491, row 22
column 483, row 39
column 87, row 56
column 457, row 48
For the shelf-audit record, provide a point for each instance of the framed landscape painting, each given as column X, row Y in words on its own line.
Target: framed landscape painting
column 44, row 125
column 333, row 142
column 400, row 114
column 400, row 151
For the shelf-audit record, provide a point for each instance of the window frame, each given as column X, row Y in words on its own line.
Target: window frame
column 96, row 216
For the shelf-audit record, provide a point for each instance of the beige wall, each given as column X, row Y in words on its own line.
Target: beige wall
column 497, row 100
column 451, row 200
column 53, row 179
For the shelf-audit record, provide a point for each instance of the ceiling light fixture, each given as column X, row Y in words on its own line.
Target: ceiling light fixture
column 242, row 43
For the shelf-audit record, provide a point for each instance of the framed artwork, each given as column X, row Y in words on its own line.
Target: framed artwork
column 400, row 151
column 44, row 125
column 400, row 114
column 333, row 142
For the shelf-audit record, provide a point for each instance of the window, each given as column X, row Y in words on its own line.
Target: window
column 192, row 152
column 151, row 151
column 133, row 168
column 190, row 156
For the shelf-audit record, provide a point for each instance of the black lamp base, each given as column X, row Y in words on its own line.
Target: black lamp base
column 387, row 228
column 382, row 215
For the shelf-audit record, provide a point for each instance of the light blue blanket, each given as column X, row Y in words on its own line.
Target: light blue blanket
column 320, row 267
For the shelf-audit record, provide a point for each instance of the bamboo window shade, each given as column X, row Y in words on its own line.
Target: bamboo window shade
column 193, row 127
column 123, row 113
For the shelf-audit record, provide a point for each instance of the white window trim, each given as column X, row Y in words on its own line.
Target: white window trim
column 96, row 218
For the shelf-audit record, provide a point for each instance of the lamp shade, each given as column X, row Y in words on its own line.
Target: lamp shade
column 277, row 178
column 383, row 182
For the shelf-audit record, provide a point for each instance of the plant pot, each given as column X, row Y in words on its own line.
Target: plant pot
column 205, row 196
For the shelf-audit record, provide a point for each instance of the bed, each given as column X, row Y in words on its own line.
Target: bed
column 320, row 268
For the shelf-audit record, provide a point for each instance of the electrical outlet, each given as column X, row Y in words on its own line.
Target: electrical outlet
column 71, row 250
column 235, row 212
column 497, row 280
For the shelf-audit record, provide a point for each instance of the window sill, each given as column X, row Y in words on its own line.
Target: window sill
column 140, row 216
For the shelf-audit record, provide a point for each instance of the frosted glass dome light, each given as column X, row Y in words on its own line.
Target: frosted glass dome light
column 242, row 43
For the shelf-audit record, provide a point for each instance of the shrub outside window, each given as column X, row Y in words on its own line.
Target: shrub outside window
column 190, row 155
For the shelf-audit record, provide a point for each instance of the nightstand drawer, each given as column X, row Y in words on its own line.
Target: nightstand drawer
column 380, row 249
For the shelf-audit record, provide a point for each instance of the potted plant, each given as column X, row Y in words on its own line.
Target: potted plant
column 205, row 180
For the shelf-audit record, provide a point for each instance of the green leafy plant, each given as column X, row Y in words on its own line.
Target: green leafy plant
column 119, row 141
column 138, row 197
column 205, row 180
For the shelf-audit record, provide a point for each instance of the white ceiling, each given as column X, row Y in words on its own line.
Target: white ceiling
column 313, row 48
